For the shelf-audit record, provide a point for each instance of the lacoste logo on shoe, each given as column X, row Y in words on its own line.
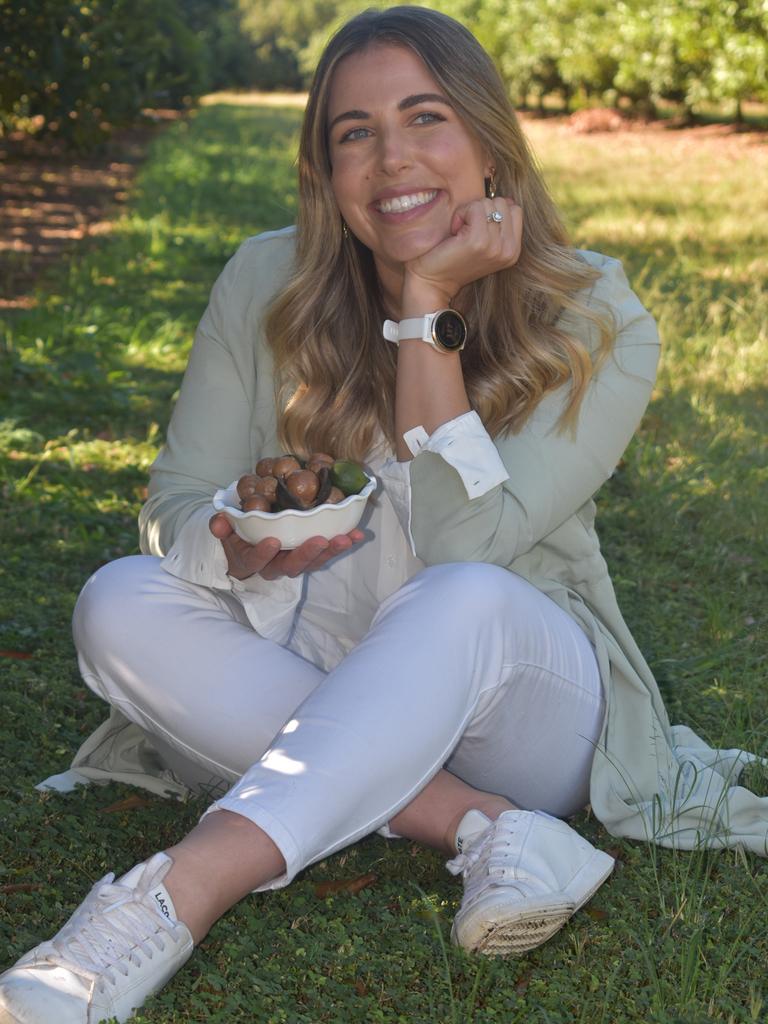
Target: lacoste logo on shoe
column 162, row 905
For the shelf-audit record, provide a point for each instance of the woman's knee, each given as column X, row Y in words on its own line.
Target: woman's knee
column 473, row 589
column 107, row 601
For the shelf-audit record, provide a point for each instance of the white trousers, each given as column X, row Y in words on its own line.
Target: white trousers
column 466, row 667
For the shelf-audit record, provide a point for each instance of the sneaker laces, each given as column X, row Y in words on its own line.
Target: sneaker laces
column 488, row 856
column 102, row 939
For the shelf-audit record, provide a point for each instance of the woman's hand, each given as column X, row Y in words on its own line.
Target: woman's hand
column 269, row 561
column 475, row 248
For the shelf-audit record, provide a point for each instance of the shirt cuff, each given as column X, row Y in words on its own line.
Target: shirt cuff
column 270, row 604
column 197, row 556
column 464, row 444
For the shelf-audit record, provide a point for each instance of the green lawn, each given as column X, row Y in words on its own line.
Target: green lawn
column 86, row 380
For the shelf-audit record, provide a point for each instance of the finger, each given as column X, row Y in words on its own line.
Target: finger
column 458, row 220
column 337, row 546
column 513, row 233
column 244, row 559
column 495, row 213
column 236, row 565
column 266, row 550
column 504, row 228
column 220, row 526
column 294, row 563
column 513, row 210
column 469, row 215
column 344, row 541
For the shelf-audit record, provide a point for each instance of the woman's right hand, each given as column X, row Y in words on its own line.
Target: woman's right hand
column 475, row 248
column 268, row 560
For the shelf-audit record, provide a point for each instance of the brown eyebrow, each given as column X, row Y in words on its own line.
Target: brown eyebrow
column 405, row 104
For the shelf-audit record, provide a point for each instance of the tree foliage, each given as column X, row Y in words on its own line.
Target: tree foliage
column 83, row 65
column 689, row 51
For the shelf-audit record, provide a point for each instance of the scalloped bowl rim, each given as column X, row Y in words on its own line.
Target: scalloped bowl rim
column 221, row 504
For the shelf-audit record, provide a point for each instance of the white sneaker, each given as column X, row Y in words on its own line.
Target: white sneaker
column 121, row 944
column 525, row 874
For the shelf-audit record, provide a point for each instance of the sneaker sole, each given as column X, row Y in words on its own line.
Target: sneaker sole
column 522, row 931
column 511, row 936
column 518, row 935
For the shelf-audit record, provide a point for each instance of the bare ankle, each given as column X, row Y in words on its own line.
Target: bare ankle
column 223, row 858
column 191, row 900
column 489, row 803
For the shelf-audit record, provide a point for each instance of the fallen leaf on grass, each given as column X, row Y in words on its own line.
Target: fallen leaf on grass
column 522, row 984
column 130, row 803
column 21, row 887
column 596, row 914
column 349, row 885
column 15, row 654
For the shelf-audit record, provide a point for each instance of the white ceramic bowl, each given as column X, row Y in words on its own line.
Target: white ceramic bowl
column 292, row 527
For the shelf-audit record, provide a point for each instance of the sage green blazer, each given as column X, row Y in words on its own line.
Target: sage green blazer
column 649, row 780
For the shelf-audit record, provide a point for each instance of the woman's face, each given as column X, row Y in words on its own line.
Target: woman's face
column 402, row 159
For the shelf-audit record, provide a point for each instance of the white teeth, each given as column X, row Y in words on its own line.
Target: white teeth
column 400, row 203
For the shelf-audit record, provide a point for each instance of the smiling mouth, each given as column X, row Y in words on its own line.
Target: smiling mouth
column 399, row 204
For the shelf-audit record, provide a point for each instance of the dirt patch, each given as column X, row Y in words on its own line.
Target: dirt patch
column 51, row 200
column 603, row 120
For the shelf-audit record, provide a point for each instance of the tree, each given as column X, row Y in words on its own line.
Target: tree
column 83, row 69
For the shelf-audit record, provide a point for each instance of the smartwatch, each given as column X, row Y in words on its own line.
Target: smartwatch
column 445, row 330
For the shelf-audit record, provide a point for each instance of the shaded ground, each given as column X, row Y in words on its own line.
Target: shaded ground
column 50, row 200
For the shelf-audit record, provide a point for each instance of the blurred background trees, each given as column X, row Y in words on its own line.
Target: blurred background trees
column 78, row 69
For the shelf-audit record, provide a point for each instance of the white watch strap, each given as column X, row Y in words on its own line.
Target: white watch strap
column 413, row 327
column 417, row 327
column 392, row 331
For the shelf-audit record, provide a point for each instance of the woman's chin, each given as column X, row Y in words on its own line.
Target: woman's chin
column 406, row 250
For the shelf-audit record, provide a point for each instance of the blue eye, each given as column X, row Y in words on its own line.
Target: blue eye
column 429, row 115
column 354, row 133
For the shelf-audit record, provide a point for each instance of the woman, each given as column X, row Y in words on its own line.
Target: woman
column 471, row 626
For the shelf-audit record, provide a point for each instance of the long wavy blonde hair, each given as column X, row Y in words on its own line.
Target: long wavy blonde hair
column 335, row 375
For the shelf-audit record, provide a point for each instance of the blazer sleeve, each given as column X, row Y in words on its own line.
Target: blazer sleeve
column 551, row 473
column 210, row 438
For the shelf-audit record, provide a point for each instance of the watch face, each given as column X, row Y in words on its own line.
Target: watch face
column 449, row 330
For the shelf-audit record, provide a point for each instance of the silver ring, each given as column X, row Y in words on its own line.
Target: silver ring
column 497, row 217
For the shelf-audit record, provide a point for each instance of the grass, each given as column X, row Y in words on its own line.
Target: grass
column 87, row 378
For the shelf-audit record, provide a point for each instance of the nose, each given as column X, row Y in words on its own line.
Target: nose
column 394, row 152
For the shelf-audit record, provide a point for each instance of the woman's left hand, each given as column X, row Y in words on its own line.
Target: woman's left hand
column 476, row 247
column 269, row 561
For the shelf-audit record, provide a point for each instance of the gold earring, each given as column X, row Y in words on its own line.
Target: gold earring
column 490, row 185
column 344, row 229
